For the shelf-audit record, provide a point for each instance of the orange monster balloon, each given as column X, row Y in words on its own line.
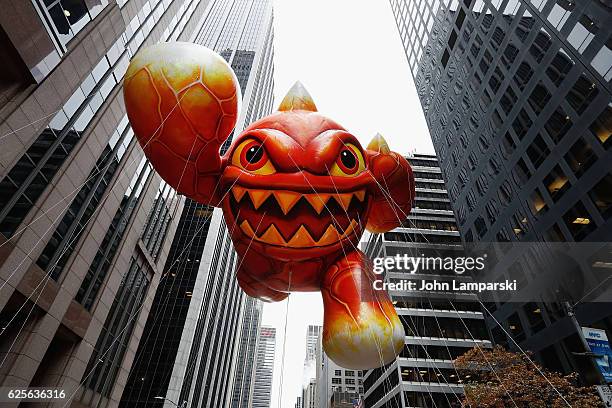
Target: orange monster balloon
column 296, row 189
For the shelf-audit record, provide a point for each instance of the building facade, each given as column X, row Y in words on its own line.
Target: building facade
column 439, row 326
column 309, row 376
column 518, row 100
column 211, row 337
column 264, row 368
column 335, row 384
column 84, row 220
column 242, row 393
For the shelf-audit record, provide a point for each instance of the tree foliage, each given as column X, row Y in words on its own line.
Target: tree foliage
column 497, row 378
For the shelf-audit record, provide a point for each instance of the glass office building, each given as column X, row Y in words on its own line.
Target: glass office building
column 84, row 220
column 201, row 328
column 264, row 368
column 518, row 101
column 439, row 326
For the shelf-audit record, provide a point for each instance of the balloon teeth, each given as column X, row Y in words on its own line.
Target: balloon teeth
column 286, row 200
column 258, row 197
column 344, row 200
column 317, row 201
column 360, row 195
column 330, row 236
column 238, row 192
column 246, row 228
column 352, row 226
column 301, row 238
column 272, row 236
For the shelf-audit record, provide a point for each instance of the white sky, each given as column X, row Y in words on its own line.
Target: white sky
column 349, row 56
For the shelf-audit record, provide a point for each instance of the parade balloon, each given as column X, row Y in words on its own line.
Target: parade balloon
column 297, row 191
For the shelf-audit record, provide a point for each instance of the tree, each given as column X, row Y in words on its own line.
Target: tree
column 499, row 378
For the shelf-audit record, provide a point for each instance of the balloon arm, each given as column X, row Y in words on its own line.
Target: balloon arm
column 393, row 191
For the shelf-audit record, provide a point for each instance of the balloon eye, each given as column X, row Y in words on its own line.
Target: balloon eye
column 254, row 154
column 349, row 163
column 251, row 156
column 348, row 159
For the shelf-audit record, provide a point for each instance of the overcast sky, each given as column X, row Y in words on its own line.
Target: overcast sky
column 349, row 56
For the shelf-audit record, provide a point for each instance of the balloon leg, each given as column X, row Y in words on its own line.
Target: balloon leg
column 259, row 290
column 361, row 328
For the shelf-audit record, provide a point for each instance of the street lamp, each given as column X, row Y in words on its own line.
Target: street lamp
column 183, row 405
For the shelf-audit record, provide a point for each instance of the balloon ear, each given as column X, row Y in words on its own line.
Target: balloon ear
column 297, row 98
column 379, row 144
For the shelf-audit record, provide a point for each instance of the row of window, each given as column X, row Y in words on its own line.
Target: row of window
column 64, row 239
column 101, row 264
column 116, row 333
column 28, row 178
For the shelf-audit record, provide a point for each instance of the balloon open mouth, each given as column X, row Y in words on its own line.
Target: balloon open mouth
column 297, row 220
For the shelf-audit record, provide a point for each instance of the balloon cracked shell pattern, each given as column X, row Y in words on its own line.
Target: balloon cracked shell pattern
column 177, row 109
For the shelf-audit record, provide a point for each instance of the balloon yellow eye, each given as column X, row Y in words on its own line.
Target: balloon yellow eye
column 349, row 163
column 251, row 156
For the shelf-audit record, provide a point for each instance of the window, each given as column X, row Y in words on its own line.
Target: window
column 556, row 183
column 540, row 45
column 602, row 61
column 522, row 172
column 554, row 234
column 350, row 381
column 539, row 98
column 69, row 17
column 521, row 124
column 108, row 353
column 534, row 316
column 537, row 151
column 508, row 100
column 523, row 75
column 582, row 94
column 579, row 221
column 537, row 203
column 515, row 327
column 602, row 127
column 558, row 124
column 583, row 33
column 337, row 372
column 560, row 13
column 349, row 373
column 336, row 380
column 580, row 157
column 559, row 67
column 601, row 194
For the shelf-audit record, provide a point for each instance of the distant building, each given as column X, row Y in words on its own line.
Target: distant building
column 309, row 390
column 439, row 326
column 264, row 368
column 309, row 394
column 332, row 379
column 242, row 393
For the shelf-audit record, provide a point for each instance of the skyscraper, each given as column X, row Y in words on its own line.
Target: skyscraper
column 242, row 392
column 518, row 100
column 335, row 383
column 84, row 220
column 439, row 326
column 309, row 380
column 264, row 368
column 203, row 351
